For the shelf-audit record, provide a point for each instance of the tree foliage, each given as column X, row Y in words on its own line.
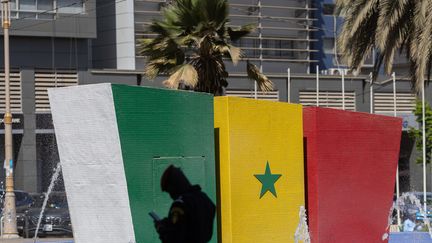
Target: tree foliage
column 387, row 26
column 417, row 134
column 192, row 41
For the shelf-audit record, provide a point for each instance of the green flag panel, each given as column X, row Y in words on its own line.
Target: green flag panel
column 157, row 128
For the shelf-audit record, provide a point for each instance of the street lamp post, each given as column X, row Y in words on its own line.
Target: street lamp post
column 9, row 211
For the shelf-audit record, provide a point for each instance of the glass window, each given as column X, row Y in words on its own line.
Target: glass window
column 328, row 45
column 13, row 4
column 14, row 8
column 27, row 15
column 328, row 8
column 27, row 4
column 45, row 5
column 47, row 16
column 70, row 7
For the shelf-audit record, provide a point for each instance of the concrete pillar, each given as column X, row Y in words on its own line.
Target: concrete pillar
column 125, row 35
column 27, row 169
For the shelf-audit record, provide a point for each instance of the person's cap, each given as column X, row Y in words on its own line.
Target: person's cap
column 165, row 179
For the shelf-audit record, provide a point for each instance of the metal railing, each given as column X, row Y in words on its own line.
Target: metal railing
column 1, row 226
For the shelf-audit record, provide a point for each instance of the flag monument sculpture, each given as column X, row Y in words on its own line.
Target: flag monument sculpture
column 249, row 156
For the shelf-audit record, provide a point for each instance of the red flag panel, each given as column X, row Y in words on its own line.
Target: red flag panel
column 351, row 161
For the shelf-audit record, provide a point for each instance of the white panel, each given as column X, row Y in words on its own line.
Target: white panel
column 45, row 80
column 384, row 103
column 125, row 35
column 15, row 92
column 261, row 95
column 328, row 99
column 88, row 143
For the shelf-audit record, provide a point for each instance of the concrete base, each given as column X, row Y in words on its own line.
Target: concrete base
column 407, row 237
column 47, row 240
column 9, row 236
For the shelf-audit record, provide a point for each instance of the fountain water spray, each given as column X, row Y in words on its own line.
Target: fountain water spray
column 401, row 202
column 390, row 221
column 302, row 231
column 2, row 193
column 50, row 188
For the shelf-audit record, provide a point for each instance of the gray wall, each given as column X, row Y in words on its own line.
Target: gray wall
column 104, row 46
column 37, row 52
column 65, row 25
column 62, row 43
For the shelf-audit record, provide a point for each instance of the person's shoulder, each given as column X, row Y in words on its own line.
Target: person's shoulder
column 192, row 193
column 196, row 196
column 179, row 202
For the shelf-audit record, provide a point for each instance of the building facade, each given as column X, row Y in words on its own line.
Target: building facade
column 58, row 43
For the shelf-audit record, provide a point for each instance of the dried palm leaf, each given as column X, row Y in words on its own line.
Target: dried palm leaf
column 185, row 73
column 264, row 83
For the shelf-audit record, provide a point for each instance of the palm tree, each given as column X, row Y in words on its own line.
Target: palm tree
column 387, row 26
column 192, row 40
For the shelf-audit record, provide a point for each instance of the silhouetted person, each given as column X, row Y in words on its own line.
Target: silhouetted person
column 191, row 216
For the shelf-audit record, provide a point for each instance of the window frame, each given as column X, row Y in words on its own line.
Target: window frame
column 18, row 13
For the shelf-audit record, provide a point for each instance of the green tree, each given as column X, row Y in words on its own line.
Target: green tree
column 192, row 40
column 387, row 26
column 417, row 134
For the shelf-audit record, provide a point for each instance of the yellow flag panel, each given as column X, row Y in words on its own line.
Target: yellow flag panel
column 261, row 169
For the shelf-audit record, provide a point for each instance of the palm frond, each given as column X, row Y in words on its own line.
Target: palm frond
column 216, row 12
column 159, row 65
column 264, row 83
column 341, row 7
column 387, row 26
column 185, row 73
column 235, row 53
column 212, row 73
column 421, row 48
column 237, row 33
column 392, row 16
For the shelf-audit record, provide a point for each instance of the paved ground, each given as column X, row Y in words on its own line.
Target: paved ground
column 43, row 240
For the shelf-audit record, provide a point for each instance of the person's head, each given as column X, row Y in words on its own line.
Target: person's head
column 174, row 182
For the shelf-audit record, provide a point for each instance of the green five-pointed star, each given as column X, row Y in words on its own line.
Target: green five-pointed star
column 268, row 180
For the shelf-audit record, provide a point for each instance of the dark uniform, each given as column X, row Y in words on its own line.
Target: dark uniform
column 192, row 213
